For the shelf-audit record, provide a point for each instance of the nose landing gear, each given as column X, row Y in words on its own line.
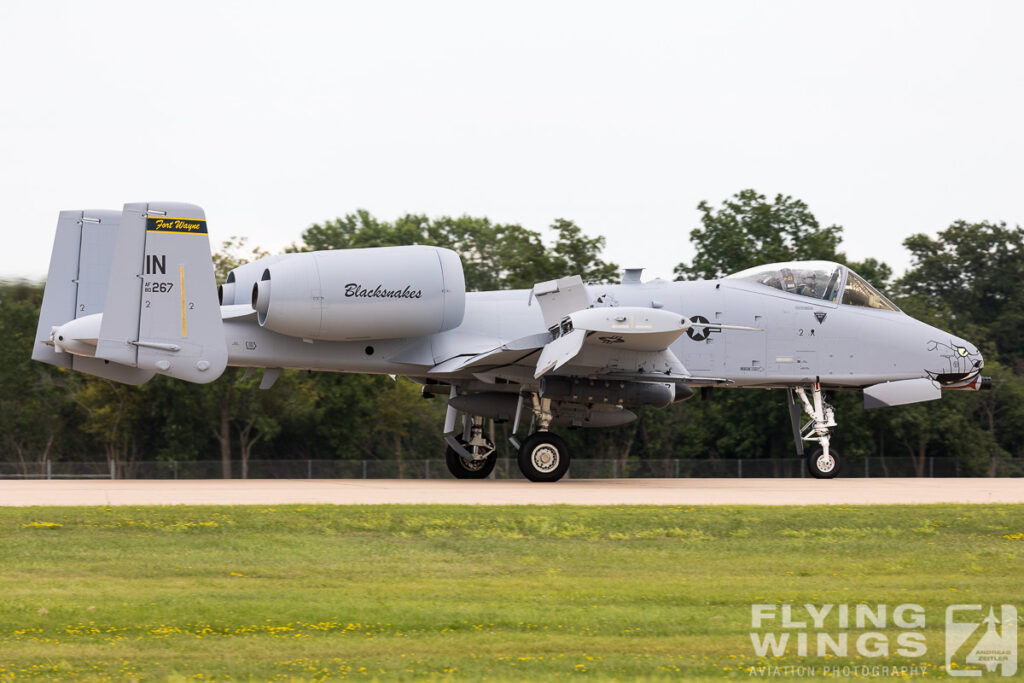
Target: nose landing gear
column 824, row 462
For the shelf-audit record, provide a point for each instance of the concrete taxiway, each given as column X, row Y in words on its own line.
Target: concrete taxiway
column 506, row 492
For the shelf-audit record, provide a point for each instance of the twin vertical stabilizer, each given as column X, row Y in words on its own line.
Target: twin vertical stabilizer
column 132, row 294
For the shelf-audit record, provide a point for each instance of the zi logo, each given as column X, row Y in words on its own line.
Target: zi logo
column 979, row 641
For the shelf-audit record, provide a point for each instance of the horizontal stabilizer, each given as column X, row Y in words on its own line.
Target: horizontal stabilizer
column 901, row 393
column 237, row 312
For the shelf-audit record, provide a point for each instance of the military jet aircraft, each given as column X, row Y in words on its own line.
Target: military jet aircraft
column 132, row 293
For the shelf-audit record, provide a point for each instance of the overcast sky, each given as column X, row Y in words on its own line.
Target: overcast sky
column 887, row 118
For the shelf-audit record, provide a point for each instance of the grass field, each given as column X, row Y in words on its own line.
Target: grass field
column 447, row 592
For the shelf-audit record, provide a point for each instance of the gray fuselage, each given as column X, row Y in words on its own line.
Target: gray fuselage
column 803, row 339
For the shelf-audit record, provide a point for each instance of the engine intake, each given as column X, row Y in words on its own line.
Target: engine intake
column 352, row 294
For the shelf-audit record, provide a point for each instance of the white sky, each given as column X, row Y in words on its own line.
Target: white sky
column 887, row 118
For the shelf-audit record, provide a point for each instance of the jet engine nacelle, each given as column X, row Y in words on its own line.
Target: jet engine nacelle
column 350, row 294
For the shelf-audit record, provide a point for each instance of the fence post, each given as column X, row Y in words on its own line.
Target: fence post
column 677, row 468
column 49, row 469
column 615, row 469
column 426, row 469
column 867, row 465
column 112, row 470
column 364, row 469
column 175, row 463
column 931, row 466
column 309, row 468
column 739, row 468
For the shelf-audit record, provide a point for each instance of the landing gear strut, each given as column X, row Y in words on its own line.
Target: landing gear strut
column 824, row 462
column 472, row 456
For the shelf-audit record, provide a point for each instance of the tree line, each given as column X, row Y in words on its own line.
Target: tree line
column 965, row 279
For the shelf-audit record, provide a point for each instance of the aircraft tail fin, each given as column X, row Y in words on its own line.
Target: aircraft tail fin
column 161, row 312
column 131, row 294
column 76, row 288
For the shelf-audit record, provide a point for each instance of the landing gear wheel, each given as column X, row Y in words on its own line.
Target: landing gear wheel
column 823, row 466
column 543, row 457
column 461, row 468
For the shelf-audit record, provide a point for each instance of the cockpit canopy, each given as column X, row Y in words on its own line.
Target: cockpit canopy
column 823, row 280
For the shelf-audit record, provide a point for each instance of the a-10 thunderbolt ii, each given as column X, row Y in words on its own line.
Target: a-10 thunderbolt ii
column 131, row 294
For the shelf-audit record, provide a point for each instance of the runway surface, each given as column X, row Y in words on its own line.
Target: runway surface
column 504, row 492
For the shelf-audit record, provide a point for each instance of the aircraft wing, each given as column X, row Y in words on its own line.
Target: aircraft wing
column 629, row 339
column 237, row 312
column 507, row 353
column 620, row 341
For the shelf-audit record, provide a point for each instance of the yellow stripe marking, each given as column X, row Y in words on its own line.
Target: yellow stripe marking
column 181, row 271
column 176, row 232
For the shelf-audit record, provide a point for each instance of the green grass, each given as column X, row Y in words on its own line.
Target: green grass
column 436, row 592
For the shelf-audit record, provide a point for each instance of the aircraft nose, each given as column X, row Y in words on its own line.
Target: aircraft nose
column 955, row 362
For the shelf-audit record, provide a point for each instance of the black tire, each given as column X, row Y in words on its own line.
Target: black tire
column 543, row 457
column 471, row 469
column 819, row 469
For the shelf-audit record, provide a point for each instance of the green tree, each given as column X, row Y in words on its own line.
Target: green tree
column 261, row 414
column 234, row 251
column 577, row 254
column 373, row 417
column 974, row 272
column 748, row 230
column 494, row 255
column 112, row 413
column 966, row 279
column 36, row 415
column 999, row 414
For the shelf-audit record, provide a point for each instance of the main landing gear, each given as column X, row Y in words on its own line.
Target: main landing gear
column 542, row 456
column 823, row 462
column 475, row 456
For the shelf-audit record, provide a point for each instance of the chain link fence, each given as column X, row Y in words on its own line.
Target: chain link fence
column 506, row 468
